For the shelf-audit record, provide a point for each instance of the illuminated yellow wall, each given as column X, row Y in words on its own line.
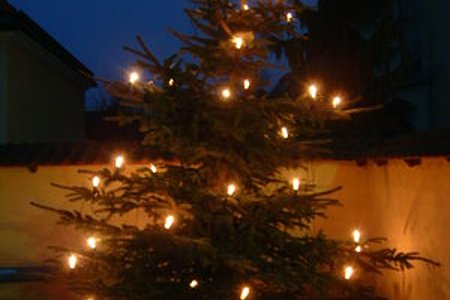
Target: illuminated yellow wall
column 410, row 206
column 25, row 232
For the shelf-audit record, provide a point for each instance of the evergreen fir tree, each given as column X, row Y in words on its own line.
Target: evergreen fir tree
column 221, row 221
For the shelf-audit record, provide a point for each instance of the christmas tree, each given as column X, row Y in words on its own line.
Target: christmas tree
column 221, row 219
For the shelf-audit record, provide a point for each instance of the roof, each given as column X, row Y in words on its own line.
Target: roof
column 409, row 147
column 83, row 153
column 12, row 19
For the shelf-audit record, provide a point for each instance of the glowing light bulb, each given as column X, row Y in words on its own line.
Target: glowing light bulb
column 133, row 77
column 226, row 93
column 348, row 272
column 289, row 17
column 92, row 242
column 119, row 161
column 95, row 181
column 72, row 261
column 171, row 82
column 245, row 7
column 169, row 222
column 244, row 293
column 358, row 249
column 231, row 189
column 296, row 184
column 356, row 236
column 284, row 133
column 336, row 101
column 153, row 168
column 246, row 84
column 238, row 42
column 193, row 284
column 313, row 91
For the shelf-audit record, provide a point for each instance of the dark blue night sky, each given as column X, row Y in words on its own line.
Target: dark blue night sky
column 95, row 30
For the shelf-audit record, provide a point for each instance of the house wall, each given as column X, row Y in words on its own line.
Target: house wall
column 45, row 100
column 407, row 205
column 26, row 232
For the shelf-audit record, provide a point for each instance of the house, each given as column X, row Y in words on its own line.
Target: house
column 42, row 85
column 428, row 34
column 395, row 187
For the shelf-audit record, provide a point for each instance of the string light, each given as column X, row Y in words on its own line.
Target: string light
column 231, row 189
column 244, row 293
column 169, row 222
column 72, row 261
column 284, row 132
column 92, row 242
column 119, row 161
column 133, row 77
column 348, row 272
column 358, row 249
column 153, row 168
column 313, row 91
column 171, row 82
column 336, row 101
column 356, row 236
column 246, row 84
column 296, row 184
column 95, row 181
column 193, row 284
column 237, row 41
column 289, row 17
column 226, row 93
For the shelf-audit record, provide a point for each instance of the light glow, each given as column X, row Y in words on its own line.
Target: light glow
column 245, row 7
column 171, row 82
column 134, row 77
column 356, row 236
column 193, row 284
column 348, row 272
column 238, row 42
column 284, row 132
column 358, row 249
column 226, row 93
column 169, row 222
column 153, row 168
column 296, row 184
column 246, row 84
column 92, row 242
column 336, row 101
column 289, row 17
column 119, row 161
column 231, row 189
column 72, row 261
column 244, row 293
column 95, row 181
column 312, row 90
